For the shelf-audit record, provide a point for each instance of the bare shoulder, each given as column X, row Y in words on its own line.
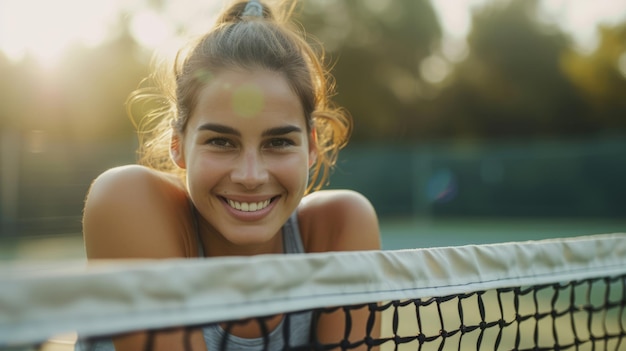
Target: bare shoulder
column 339, row 220
column 338, row 203
column 130, row 185
column 135, row 212
column 128, row 176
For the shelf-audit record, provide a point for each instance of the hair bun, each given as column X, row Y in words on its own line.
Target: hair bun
column 245, row 10
column 253, row 9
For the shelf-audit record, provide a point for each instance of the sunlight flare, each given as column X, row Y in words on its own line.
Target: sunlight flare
column 45, row 29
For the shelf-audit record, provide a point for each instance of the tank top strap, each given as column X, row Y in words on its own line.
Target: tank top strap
column 292, row 240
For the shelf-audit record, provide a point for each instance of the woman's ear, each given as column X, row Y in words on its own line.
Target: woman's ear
column 177, row 151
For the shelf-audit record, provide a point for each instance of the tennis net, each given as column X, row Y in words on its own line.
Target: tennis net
column 562, row 294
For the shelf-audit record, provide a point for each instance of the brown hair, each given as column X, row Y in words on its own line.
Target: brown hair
column 241, row 41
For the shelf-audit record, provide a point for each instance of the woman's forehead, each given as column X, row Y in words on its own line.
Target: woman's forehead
column 245, row 96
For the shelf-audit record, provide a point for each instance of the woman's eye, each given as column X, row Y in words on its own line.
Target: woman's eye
column 280, row 143
column 220, row 142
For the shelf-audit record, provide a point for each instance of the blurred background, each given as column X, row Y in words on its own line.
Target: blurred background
column 476, row 121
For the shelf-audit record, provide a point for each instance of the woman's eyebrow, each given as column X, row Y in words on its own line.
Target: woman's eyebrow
column 219, row 128
column 223, row 129
column 281, row 130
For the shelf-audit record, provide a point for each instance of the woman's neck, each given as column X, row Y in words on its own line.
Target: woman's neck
column 216, row 245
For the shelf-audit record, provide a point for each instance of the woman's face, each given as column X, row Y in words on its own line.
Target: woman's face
column 247, row 153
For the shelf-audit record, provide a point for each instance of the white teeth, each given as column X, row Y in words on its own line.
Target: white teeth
column 248, row 206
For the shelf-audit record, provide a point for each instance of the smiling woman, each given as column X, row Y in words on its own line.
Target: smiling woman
column 246, row 134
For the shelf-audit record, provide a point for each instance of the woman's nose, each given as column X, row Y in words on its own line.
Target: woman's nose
column 250, row 170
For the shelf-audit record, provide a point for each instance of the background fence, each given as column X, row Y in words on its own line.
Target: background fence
column 45, row 179
column 549, row 178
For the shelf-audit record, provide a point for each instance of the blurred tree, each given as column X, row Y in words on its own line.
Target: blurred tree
column 17, row 88
column 67, row 122
column 376, row 47
column 601, row 78
column 82, row 99
column 97, row 83
column 511, row 84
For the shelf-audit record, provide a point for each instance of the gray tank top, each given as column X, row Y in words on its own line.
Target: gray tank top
column 298, row 324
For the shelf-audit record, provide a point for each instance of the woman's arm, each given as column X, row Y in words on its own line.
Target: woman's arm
column 133, row 212
column 340, row 220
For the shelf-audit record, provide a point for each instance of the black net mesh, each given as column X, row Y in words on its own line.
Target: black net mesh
column 586, row 314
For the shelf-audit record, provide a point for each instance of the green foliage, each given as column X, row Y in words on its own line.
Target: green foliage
column 600, row 79
column 511, row 85
column 521, row 78
column 376, row 53
column 82, row 99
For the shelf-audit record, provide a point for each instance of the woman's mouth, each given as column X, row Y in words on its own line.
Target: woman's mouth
column 248, row 206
